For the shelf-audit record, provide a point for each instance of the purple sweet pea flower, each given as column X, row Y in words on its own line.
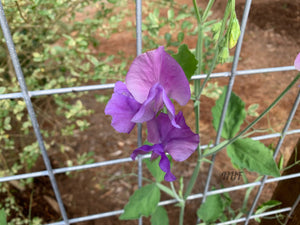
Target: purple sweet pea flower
column 297, row 62
column 153, row 78
column 180, row 143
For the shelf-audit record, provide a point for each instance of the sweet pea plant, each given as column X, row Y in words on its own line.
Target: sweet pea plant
column 154, row 81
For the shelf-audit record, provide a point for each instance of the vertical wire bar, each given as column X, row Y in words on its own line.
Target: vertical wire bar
column 285, row 129
column 229, row 90
column 20, row 77
column 297, row 201
column 138, row 12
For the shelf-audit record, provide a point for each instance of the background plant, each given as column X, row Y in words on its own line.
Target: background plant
column 56, row 48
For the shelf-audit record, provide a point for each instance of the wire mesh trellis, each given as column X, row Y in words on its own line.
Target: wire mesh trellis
column 50, row 172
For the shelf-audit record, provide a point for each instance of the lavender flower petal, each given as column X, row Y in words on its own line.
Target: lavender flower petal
column 154, row 103
column 180, row 143
column 122, row 107
column 153, row 67
column 164, row 164
column 141, row 150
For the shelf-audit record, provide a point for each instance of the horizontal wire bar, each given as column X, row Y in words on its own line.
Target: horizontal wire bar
column 273, row 212
column 110, row 86
column 116, row 161
column 245, row 72
column 91, row 217
column 191, row 197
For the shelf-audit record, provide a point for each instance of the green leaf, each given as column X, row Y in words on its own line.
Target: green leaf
column 186, row 60
column 160, row 216
column 155, row 170
column 2, row 217
column 235, row 115
column 211, row 209
column 143, row 202
column 2, row 89
column 251, row 111
column 266, row 206
column 168, row 37
column 281, row 161
column 254, row 156
column 170, row 14
column 180, row 36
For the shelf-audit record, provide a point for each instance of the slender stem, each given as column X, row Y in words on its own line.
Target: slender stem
column 196, row 9
column 209, row 5
column 174, row 191
column 227, row 142
column 199, row 49
column 216, row 51
column 181, row 215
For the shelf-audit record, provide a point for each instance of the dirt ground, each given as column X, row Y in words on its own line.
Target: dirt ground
column 271, row 40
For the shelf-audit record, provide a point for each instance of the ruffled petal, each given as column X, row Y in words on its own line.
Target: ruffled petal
column 154, row 103
column 153, row 67
column 153, row 131
column 164, row 164
column 122, row 107
column 173, row 79
column 181, row 143
column 297, row 62
column 143, row 73
column 171, row 109
column 151, row 106
column 141, row 151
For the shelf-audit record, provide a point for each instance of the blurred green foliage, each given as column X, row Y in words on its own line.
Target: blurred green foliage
column 57, row 42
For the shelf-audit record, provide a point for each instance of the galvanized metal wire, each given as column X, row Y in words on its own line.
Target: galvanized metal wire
column 50, row 172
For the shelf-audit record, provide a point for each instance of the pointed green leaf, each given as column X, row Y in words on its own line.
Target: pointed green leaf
column 143, row 202
column 254, row 156
column 266, row 206
column 186, row 60
column 171, row 14
column 155, row 170
column 235, row 115
column 211, row 209
column 160, row 216
column 2, row 217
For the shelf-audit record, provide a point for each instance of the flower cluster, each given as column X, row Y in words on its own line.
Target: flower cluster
column 154, row 78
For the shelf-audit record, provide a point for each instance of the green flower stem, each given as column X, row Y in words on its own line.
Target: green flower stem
column 216, row 51
column 209, row 5
column 198, row 89
column 247, row 195
column 227, row 142
column 197, row 83
column 174, row 192
column 167, row 190
column 199, row 49
column 181, row 215
column 196, row 9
